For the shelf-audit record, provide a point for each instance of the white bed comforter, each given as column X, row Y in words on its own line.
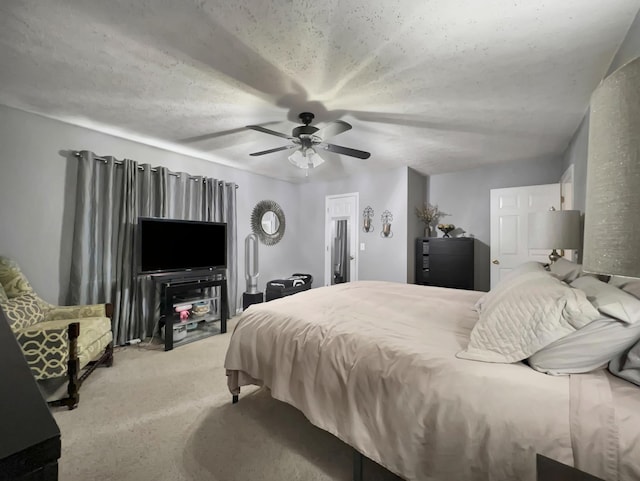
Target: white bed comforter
column 374, row 364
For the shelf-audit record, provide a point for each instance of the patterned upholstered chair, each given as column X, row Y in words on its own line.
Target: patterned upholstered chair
column 57, row 341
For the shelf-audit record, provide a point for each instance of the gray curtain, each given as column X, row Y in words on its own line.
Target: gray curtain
column 341, row 253
column 111, row 195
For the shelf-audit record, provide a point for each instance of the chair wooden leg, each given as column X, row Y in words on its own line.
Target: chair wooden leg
column 74, row 386
column 73, row 368
column 109, row 351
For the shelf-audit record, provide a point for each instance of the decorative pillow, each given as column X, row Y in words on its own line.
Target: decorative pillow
column 609, row 299
column 23, row 311
column 588, row 348
column 12, row 279
column 3, row 296
column 565, row 270
column 518, row 271
column 531, row 313
column 627, row 284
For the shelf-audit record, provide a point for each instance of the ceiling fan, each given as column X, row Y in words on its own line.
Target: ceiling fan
column 307, row 139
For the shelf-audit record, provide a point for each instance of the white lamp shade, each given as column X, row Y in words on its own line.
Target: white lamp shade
column 554, row 229
column 306, row 160
column 612, row 214
column 298, row 160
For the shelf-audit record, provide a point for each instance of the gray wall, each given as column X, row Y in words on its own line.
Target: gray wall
column 37, row 195
column 629, row 48
column 465, row 196
column 383, row 258
column 577, row 151
column 416, row 195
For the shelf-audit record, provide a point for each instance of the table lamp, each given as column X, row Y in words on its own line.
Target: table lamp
column 554, row 229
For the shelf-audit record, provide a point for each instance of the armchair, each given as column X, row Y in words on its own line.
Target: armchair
column 57, row 341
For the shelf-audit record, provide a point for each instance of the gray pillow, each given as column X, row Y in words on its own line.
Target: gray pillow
column 627, row 284
column 627, row 365
column 565, row 270
column 609, row 299
column 588, row 348
column 600, row 341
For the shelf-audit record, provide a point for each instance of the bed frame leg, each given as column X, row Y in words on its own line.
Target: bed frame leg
column 357, row 466
column 234, row 399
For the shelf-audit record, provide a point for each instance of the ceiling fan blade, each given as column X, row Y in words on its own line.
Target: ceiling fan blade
column 332, row 129
column 360, row 154
column 215, row 135
column 260, row 128
column 277, row 149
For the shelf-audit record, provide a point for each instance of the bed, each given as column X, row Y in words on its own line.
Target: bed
column 374, row 363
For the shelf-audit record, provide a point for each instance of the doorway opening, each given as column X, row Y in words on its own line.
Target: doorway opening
column 341, row 238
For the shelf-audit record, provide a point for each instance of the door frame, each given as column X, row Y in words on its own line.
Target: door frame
column 567, row 201
column 353, row 231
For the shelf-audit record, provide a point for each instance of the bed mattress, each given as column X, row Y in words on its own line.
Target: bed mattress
column 374, row 364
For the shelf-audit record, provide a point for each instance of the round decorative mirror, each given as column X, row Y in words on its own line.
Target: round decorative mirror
column 270, row 222
column 267, row 222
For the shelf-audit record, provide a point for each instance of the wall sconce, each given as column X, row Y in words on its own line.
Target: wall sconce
column 367, row 215
column 386, row 219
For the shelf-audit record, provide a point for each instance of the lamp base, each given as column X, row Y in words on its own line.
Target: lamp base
column 554, row 256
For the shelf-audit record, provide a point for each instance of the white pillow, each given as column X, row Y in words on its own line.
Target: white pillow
column 535, row 310
column 609, row 299
column 504, row 283
column 627, row 284
column 565, row 270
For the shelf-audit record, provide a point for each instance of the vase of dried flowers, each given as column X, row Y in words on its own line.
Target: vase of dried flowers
column 429, row 215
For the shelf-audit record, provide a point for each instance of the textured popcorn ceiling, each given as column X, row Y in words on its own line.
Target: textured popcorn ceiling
column 439, row 85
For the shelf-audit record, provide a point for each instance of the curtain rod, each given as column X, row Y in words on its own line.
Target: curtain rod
column 77, row 153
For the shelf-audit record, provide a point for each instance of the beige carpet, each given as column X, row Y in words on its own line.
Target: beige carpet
column 159, row 415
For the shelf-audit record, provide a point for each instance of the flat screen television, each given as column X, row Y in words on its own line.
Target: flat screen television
column 166, row 245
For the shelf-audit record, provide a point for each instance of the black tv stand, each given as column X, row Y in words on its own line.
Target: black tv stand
column 186, row 287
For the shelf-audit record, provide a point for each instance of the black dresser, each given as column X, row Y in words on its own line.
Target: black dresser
column 29, row 436
column 445, row 262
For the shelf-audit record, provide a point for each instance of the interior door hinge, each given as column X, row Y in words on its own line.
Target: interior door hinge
column 562, row 199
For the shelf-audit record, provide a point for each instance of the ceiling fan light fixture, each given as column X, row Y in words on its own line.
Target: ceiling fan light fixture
column 306, row 138
column 307, row 160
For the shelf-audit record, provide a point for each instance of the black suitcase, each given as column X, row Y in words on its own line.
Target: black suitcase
column 285, row 287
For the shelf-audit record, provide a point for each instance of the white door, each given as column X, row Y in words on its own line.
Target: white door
column 341, row 238
column 510, row 210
